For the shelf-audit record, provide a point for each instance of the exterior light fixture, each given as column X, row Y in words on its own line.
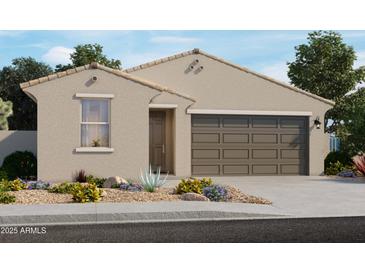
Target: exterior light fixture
column 317, row 123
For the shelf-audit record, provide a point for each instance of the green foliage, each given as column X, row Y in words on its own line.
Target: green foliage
column 6, row 110
column 324, row 67
column 24, row 109
column 20, row 164
column 88, row 53
column 6, row 198
column 63, row 188
column 14, row 185
column 99, row 182
column 151, row 181
column 215, row 193
column 85, row 193
column 3, row 175
column 337, row 156
column 337, row 167
column 193, row 185
column 351, row 130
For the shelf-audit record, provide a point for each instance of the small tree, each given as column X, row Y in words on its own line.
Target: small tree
column 324, row 66
column 25, row 110
column 86, row 54
column 6, row 110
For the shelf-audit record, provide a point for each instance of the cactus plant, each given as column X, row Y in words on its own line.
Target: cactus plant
column 6, row 110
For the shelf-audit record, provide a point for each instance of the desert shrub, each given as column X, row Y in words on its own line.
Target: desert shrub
column 215, row 193
column 6, row 198
column 14, row 185
column 63, row 188
column 95, row 180
column 37, row 185
column 193, row 185
column 359, row 162
column 151, row 181
column 20, row 164
column 337, row 167
column 130, row 186
column 80, row 176
column 85, row 193
column 337, row 156
column 3, row 175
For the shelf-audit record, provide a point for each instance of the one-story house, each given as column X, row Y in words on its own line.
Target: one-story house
column 192, row 114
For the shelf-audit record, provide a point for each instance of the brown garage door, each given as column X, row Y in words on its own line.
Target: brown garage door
column 233, row 145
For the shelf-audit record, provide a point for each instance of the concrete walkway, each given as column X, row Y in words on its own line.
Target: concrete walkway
column 305, row 196
column 292, row 197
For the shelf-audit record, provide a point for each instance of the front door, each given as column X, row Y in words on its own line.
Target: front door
column 157, row 140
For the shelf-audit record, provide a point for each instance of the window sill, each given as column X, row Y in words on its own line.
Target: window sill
column 95, row 149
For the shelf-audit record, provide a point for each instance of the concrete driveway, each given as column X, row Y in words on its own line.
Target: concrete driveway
column 305, row 196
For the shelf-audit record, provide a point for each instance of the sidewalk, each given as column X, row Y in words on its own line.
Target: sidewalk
column 132, row 212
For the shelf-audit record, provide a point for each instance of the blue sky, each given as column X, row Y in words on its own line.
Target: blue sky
column 263, row 51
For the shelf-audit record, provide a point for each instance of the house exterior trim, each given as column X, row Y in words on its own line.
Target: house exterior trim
column 248, row 112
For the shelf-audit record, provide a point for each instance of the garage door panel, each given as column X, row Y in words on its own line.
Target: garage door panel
column 264, row 169
column 235, row 153
column 206, row 122
column 264, row 154
column 206, row 138
column 236, row 137
column 236, row 169
column 264, row 138
column 206, row 169
column 249, row 145
column 206, row 153
column 264, row 122
column 292, row 153
column 235, row 122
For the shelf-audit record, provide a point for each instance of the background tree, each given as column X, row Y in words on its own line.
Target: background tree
column 6, row 110
column 324, row 66
column 351, row 130
column 24, row 109
column 88, row 53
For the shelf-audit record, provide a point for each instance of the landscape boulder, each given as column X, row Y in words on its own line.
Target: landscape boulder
column 191, row 196
column 116, row 180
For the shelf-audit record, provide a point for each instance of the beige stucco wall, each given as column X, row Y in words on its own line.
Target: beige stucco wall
column 17, row 140
column 59, row 126
column 219, row 86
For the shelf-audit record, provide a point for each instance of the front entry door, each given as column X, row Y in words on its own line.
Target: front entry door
column 157, row 140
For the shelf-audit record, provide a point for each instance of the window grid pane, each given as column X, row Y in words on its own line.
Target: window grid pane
column 95, row 123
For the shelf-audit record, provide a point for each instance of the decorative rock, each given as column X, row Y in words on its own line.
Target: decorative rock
column 191, row 196
column 116, row 180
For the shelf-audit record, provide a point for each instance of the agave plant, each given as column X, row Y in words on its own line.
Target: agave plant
column 151, row 181
column 359, row 162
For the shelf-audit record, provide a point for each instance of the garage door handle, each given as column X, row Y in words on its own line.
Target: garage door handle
column 163, row 148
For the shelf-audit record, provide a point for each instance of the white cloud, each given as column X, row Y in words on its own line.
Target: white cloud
column 173, row 40
column 57, row 55
column 278, row 71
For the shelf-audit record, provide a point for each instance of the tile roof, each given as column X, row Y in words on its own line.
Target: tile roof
column 199, row 51
column 107, row 69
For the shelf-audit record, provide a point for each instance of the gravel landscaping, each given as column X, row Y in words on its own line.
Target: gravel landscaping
column 111, row 195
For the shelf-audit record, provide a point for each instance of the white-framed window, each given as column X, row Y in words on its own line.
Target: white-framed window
column 95, row 122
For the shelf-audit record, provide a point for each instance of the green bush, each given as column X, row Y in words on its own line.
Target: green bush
column 85, row 193
column 3, row 175
column 337, row 167
column 6, row 198
column 64, row 188
column 193, row 185
column 20, row 164
column 95, row 180
column 337, row 156
column 14, row 185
